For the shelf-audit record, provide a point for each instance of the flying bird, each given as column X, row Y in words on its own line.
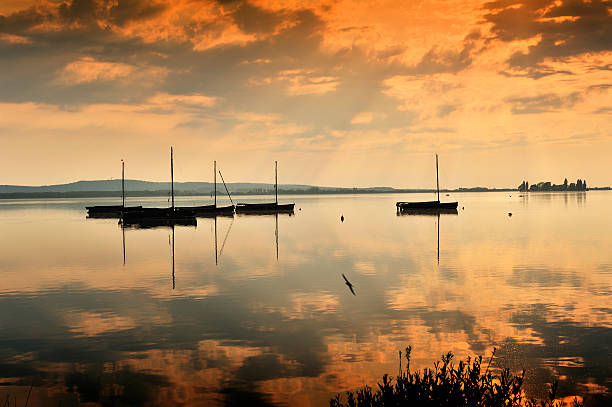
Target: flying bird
column 348, row 283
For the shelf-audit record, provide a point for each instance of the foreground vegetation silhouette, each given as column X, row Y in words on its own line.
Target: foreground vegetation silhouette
column 448, row 384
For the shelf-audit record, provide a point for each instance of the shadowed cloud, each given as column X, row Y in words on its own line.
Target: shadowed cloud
column 565, row 29
column 543, row 103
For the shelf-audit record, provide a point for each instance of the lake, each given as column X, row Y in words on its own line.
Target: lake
column 254, row 310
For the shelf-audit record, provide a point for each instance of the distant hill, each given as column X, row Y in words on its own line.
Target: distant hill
column 137, row 187
column 112, row 188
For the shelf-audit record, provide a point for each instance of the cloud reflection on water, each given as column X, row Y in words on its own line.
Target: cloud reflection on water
column 289, row 330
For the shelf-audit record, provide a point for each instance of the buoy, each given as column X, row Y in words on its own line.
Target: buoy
column 341, row 218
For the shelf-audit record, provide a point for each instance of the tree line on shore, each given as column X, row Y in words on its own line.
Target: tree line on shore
column 579, row 185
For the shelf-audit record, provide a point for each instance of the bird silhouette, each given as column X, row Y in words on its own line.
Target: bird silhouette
column 348, row 283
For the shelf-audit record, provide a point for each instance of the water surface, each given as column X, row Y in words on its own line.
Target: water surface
column 261, row 314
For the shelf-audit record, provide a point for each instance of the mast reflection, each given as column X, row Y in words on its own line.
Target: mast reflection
column 430, row 212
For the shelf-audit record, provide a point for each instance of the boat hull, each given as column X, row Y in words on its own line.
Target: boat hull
column 109, row 211
column 264, row 208
column 428, row 205
column 209, row 210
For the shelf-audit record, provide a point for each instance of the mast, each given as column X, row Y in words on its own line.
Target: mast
column 122, row 184
column 172, row 175
column 437, row 179
column 215, row 172
column 276, row 181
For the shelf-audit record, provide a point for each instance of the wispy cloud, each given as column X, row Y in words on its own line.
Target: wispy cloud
column 14, row 39
column 87, row 69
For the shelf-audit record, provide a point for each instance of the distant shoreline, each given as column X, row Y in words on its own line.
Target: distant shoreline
column 339, row 191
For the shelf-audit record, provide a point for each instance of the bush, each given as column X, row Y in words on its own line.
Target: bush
column 448, row 385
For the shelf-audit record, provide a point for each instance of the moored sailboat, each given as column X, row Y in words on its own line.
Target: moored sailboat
column 210, row 210
column 160, row 216
column 428, row 205
column 265, row 208
column 112, row 211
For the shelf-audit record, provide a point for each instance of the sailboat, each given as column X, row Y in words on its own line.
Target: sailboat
column 272, row 207
column 151, row 217
column 112, row 211
column 210, row 210
column 428, row 205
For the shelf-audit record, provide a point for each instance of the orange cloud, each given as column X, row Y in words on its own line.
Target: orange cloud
column 173, row 101
column 14, row 39
column 87, row 69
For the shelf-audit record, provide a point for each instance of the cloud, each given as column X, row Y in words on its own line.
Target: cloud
column 192, row 101
column 440, row 61
column 566, row 28
column 226, row 35
column 420, row 76
column 543, row 103
column 105, row 12
column 306, row 83
column 87, row 70
column 252, row 19
column 367, row 117
column 14, row 39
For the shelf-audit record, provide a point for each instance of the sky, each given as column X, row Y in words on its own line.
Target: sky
column 341, row 93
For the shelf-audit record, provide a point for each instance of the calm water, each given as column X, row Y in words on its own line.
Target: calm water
column 276, row 324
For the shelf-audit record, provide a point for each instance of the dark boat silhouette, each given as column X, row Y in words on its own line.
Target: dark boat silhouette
column 264, row 208
column 161, row 216
column 109, row 211
column 158, row 213
column 112, row 211
column 428, row 205
column 210, row 210
column 267, row 208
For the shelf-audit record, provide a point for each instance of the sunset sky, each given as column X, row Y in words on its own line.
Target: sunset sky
column 341, row 93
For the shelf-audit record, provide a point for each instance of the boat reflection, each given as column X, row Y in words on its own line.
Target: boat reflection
column 426, row 212
column 123, row 243
column 429, row 212
column 153, row 223
column 218, row 253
